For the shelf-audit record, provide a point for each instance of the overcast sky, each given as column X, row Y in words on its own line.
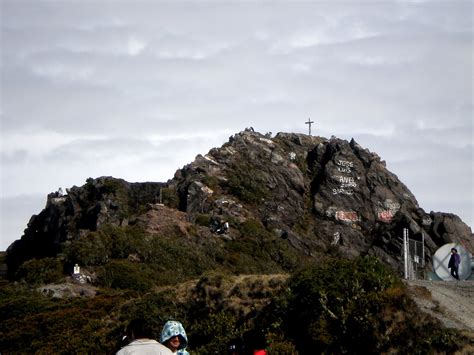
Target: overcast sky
column 136, row 89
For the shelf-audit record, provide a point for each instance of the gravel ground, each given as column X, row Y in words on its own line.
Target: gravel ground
column 452, row 302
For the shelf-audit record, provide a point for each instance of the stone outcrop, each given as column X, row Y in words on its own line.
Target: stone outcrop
column 315, row 192
column 318, row 194
column 81, row 210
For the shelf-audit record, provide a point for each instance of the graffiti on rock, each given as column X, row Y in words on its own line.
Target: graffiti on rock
column 347, row 216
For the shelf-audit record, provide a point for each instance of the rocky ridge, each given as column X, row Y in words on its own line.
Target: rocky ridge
column 316, row 194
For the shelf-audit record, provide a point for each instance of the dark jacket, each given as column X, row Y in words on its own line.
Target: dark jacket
column 454, row 261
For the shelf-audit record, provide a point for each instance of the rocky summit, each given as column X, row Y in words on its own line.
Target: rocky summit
column 311, row 194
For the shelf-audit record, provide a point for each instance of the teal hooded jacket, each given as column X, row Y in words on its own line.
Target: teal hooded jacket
column 171, row 329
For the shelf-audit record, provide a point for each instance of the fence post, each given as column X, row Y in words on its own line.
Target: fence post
column 423, row 249
column 405, row 252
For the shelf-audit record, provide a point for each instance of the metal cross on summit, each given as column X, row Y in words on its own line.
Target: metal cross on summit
column 309, row 123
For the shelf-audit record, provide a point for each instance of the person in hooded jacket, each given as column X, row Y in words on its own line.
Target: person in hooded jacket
column 173, row 336
column 454, row 262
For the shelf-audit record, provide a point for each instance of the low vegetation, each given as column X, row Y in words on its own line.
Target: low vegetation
column 332, row 306
column 269, row 281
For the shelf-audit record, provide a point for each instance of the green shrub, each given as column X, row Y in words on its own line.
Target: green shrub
column 126, row 240
column 31, row 323
column 259, row 251
column 352, row 306
column 325, row 301
column 248, row 184
column 110, row 242
column 111, row 185
column 203, row 220
column 160, row 307
column 211, row 181
column 93, row 249
column 122, row 274
column 212, row 333
column 252, row 228
column 333, row 307
column 170, row 197
column 41, row 271
column 278, row 345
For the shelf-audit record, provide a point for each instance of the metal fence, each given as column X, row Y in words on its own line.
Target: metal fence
column 413, row 256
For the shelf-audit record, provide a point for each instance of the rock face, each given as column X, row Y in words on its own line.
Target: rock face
column 315, row 193
column 83, row 209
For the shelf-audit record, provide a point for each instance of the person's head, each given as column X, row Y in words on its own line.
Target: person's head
column 173, row 336
column 138, row 329
column 454, row 250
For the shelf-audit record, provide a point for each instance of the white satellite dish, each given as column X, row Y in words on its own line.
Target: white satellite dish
column 441, row 260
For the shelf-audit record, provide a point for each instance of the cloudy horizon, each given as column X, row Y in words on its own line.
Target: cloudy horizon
column 136, row 90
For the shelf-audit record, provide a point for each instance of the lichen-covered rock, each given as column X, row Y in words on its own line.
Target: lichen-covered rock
column 100, row 201
column 317, row 194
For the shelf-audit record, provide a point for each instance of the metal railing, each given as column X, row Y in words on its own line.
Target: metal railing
column 413, row 256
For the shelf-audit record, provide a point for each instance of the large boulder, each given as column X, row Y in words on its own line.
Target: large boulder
column 319, row 195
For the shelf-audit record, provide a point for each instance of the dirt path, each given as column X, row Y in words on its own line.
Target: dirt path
column 452, row 302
